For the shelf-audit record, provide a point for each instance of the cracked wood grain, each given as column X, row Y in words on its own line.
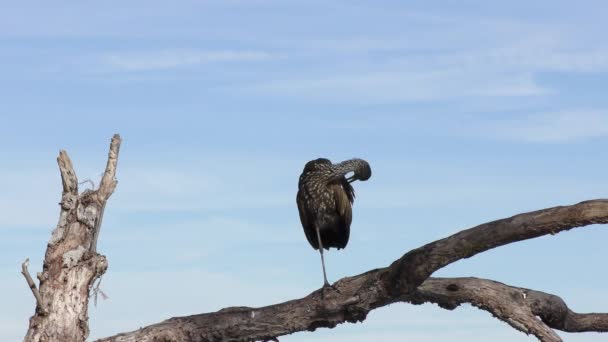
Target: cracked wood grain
column 401, row 281
column 32, row 285
column 529, row 311
column 70, row 266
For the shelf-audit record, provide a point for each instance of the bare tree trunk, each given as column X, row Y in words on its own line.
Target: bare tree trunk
column 71, row 263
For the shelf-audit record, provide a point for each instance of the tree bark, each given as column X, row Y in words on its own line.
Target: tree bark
column 518, row 307
column 71, row 263
column 406, row 280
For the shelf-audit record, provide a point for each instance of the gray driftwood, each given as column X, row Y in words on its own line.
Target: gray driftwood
column 72, row 264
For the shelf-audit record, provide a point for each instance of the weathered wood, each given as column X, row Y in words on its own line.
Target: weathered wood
column 416, row 266
column 106, row 187
column 509, row 304
column 32, row 285
column 517, row 306
column 70, row 265
column 356, row 296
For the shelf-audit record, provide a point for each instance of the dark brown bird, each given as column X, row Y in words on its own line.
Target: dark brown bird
column 325, row 199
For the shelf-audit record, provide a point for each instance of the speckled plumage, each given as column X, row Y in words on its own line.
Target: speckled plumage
column 325, row 200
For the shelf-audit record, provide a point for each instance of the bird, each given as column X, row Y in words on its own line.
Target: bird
column 325, row 197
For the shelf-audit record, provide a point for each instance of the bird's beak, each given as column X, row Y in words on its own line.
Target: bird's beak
column 351, row 179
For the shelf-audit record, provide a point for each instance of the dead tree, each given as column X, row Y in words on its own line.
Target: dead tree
column 72, row 264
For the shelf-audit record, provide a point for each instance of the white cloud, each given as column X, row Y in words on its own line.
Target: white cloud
column 205, row 234
column 530, row 55
column 176, row 58
column 404, row 85
column 549, row 128
column 216, row 184
column 559, row 59
column 410, row 73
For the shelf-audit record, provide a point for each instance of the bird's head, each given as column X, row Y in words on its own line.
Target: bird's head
column 316, row 164
column 361, row 171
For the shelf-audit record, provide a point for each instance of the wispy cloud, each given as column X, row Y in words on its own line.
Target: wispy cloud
column 176, row 58
column 204, row 234
column 550, row 127
column 534, row 54
column 213, row 185
column 408, row 73
column 404, row 85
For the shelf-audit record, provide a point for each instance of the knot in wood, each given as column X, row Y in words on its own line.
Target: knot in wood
column 101, row 265
column 68, row 201
column 452, row 287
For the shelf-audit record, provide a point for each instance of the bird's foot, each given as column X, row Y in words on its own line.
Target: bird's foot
column 327, row 289
column 270, row 339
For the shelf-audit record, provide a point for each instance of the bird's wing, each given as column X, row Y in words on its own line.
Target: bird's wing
column 307, row 221
column 342, row 197
column 343, row 203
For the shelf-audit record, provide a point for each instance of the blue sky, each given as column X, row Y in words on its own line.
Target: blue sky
column 467, row 112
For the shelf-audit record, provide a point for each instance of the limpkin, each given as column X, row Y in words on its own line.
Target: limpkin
column 325, row 198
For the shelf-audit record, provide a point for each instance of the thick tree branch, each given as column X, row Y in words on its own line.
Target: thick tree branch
column 358, row 295
column 408, row 272
column 517, row 306
column 106, row 187
column 556, row 314
column 509, row 304
column 108, row 180
column 68, row 176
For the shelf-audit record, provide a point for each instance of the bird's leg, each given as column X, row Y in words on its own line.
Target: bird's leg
column 325, row 282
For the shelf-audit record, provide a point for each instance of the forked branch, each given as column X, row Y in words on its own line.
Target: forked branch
column 106, row 187
column 521, row 308
column 71, row 263
column 401, row 281
column 68, row 176
column 108, row 180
